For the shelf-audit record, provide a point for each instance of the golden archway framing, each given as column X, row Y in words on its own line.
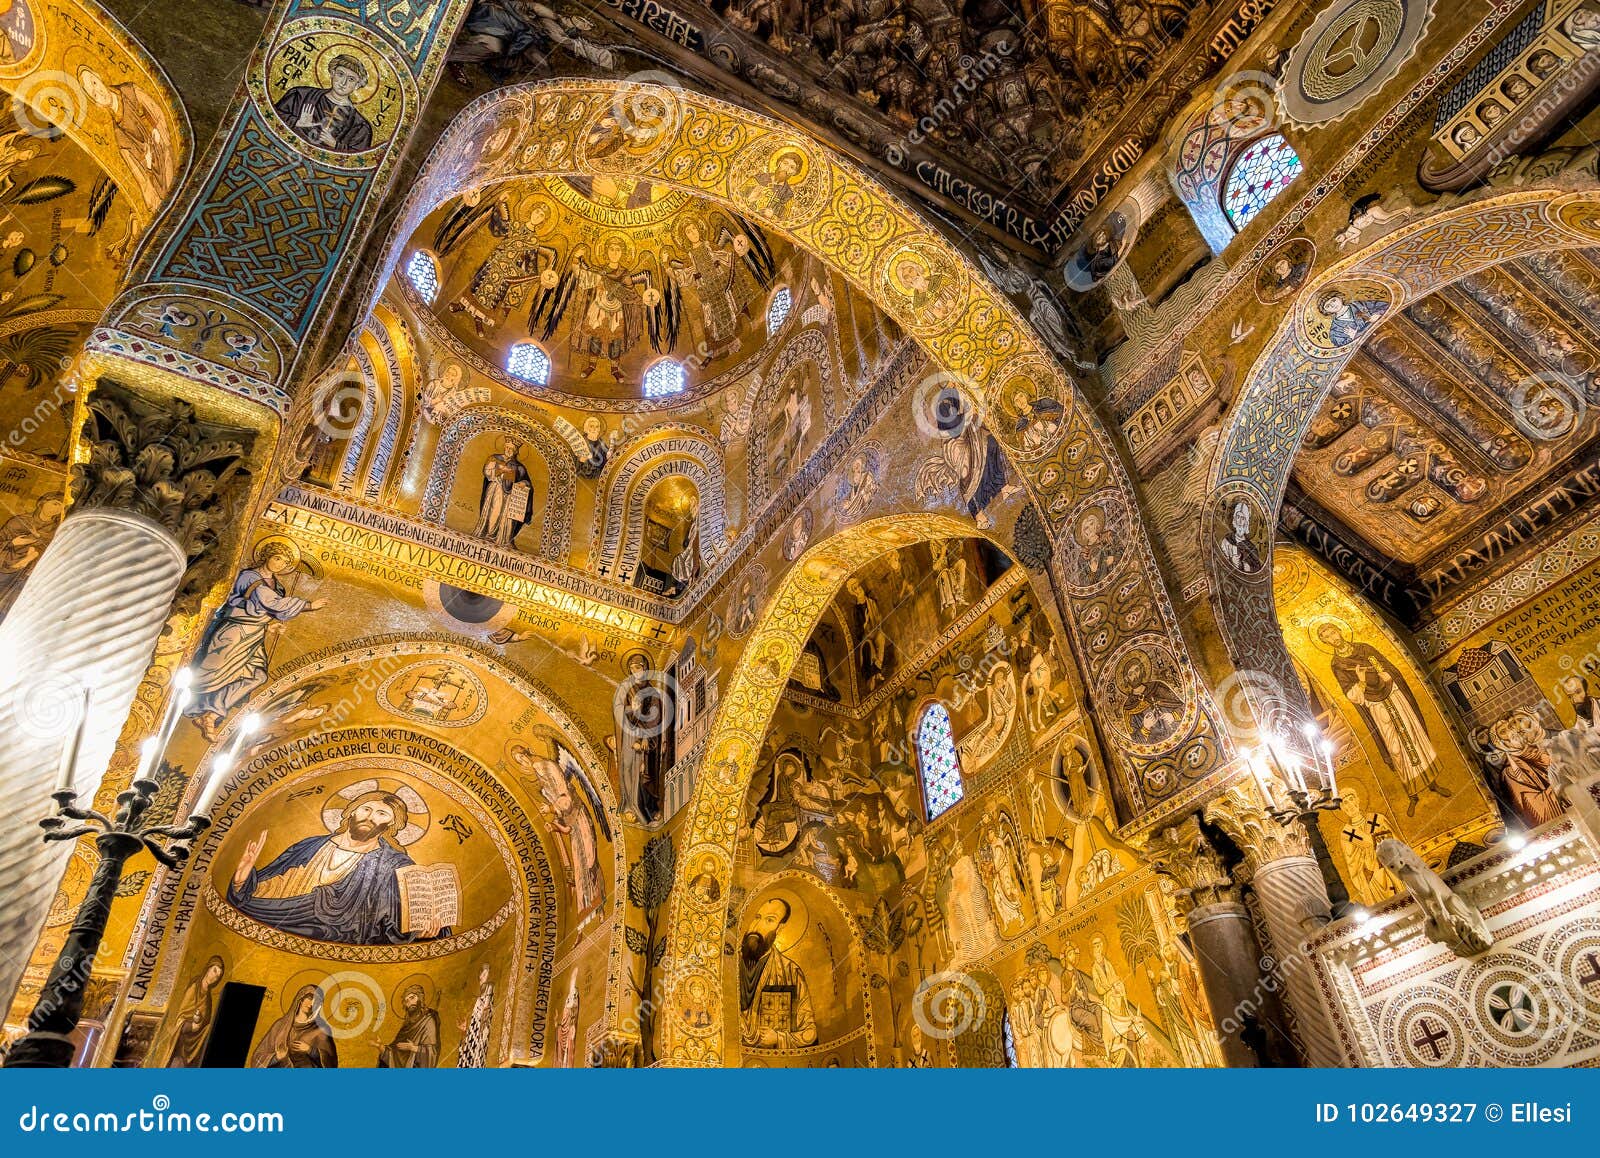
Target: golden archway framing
column 358, row 655
column 1291, row 378
column 695, row 927
column 794, row 186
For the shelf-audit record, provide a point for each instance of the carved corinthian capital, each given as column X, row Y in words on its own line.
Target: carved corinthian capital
column 158, row 459
column 1183, row 854
column 1240, row 813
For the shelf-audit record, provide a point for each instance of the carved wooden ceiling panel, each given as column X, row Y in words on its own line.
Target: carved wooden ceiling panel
column 1458, row 409
column 1020, row 115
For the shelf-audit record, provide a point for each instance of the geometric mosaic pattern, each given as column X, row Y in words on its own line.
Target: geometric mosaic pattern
column 1399, row 999
column 281, row 213
column 269, row 227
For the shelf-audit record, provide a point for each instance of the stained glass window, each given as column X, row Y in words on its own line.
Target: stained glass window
column 1009, row 1040
column 782, row 303
column 936, row 757
column 1260, row 174
column 529, row 363
column 665, row 377
column 423, row 273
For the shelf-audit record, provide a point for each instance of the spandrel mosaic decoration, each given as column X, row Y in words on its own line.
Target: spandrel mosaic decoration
column 653, row 595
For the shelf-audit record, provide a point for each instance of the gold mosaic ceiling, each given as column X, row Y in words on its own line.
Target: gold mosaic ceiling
column 608, row 278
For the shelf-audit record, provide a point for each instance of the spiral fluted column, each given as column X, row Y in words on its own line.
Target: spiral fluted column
column 1294, row 903
column 88, row 617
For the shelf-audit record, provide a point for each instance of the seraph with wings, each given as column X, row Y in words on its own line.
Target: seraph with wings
column 619, row 301
column 462, row 221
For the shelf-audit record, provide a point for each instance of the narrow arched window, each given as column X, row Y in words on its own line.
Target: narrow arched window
column 778, row 309
column 1009, row 1040
column 664, row 378
column 1262, row 171
column 528, row 362
column 937, row 760
column 423, row 274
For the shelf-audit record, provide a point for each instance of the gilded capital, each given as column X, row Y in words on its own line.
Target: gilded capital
column 1241, row 814
column 159, row 459
column 1182, row 853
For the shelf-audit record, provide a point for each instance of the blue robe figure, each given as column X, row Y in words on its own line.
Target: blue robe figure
column 1347, row 321
column 974, row 455
column 360, row 908
column 341, row 888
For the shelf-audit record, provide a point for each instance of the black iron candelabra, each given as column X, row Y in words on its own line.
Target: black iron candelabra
column 1305, row 805
column 48, row 1043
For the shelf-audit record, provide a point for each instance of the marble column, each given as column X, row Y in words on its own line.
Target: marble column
column 88, row 619
column 1294, row 903
column 1245, row 1007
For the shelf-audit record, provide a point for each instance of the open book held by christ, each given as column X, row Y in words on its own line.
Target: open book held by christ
column 430, row 896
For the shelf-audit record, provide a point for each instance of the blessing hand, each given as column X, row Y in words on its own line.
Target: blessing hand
column 247, row 860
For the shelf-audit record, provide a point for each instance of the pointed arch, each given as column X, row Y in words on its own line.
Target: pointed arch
column 664, row 452
column 1292, row 377
column 788, row 183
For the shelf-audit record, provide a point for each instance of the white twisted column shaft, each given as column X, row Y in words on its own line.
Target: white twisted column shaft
column 88, row 616
column 1294, row 901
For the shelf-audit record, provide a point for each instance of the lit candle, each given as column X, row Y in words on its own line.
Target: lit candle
column 1294, row 771
column 148, row 751
column 221, row 768
column 248, row 727
column 69, row 762
column 1326, row 747
column 1257, row 770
